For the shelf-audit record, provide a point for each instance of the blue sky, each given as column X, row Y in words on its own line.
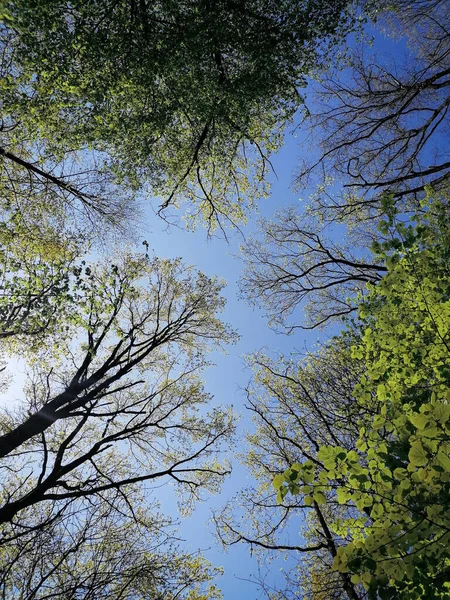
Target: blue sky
column 229, row 376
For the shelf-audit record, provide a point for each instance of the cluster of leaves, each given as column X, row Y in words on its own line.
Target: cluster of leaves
column 39, row 280
column 394, row 481
column 188, row 98
column 114, row 402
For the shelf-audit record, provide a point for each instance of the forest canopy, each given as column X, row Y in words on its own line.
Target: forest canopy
column 105, row 104
column 188, row 99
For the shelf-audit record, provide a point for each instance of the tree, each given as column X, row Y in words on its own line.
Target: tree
column 297, row 406
column 379, row 126
column 397, row 474
column 188, row 98
column 35, row 275
column 94, row 550
column 290, row 262
column 67, row 191
column 381, row 123
column 113, row 402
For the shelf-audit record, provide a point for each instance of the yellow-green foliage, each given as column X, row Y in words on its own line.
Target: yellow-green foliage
column 396, row 480
column 188, row 100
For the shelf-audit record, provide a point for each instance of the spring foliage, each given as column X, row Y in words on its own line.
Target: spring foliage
column 189, row 98
column 395, row 481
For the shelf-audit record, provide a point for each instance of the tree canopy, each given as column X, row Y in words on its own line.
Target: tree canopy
column 104, row 103
column 186, row 98
column 379, row 127
column 396, row 473
column 113, row 402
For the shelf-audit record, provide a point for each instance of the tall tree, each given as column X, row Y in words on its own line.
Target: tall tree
column 379, row 129
column 396, row 474
column 188, row 97
column 381, row 124
column 290, row 264
column 96, row 550
column 113, row 403
column 297, row 406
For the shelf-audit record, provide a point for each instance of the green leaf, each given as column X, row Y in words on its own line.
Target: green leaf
column 320, row 498
column 417, row 455
column 278, row 481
